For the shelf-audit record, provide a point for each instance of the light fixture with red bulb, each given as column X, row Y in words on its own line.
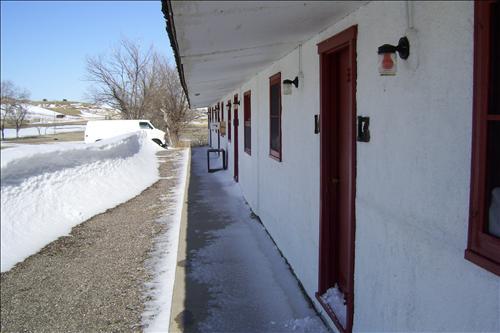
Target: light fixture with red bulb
column 387, row 60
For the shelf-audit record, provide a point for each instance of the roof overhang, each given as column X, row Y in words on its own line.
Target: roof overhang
column 219, row 45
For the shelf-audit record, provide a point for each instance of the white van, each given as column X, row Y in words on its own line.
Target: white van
column 102, row 129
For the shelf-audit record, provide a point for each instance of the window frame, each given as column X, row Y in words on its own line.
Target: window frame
column 229, row 121
column 275, row 154
column 482, row 249
column 247, row 117
column 221, row 117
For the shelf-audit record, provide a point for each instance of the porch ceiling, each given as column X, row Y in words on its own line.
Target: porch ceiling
column 220, row 44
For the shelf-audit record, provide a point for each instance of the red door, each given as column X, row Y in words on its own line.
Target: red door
column 235, row 140
column 338, row 165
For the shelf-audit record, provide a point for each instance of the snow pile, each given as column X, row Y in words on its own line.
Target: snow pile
column 335, row 299
column 156, row 317
column 48, row 189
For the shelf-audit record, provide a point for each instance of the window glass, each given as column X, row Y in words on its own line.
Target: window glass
column 275, row 100
column 275, row 134
column 247, row 115
column 145, row 125
column 493, row 179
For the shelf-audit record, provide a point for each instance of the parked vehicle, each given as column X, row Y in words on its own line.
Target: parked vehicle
column 97, row 130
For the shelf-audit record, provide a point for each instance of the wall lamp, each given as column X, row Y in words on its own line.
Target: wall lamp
column 236, row 100
column 228, row 104
column 387, row 56
column 287, row 85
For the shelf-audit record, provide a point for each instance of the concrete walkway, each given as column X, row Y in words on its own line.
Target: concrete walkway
column 230, row 276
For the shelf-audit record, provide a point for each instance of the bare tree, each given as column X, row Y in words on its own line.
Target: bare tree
column 6, row 92
column 141, row 85
column 171, row 100
column 14, row 110
column 122, row 79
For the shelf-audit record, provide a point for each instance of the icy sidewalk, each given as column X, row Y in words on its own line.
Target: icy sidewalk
column 230, row 275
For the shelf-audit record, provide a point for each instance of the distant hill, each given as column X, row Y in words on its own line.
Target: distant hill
column 59, row 111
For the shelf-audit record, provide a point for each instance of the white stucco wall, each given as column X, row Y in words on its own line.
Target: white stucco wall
column 413, row 177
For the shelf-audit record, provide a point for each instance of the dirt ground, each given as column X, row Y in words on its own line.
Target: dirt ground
column 92, row 280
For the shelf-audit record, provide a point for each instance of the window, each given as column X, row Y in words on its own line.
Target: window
column 229, row 121
column 275, row 116
column 145, row 125
column 247, row 118
column 483, row 245
column 222, row 132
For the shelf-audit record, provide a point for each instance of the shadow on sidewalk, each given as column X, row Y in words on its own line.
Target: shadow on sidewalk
column 235, row 278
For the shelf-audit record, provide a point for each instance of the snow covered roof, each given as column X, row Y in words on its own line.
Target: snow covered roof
column 218, row 45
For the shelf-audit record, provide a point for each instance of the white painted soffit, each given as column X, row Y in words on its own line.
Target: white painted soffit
column 222, row 44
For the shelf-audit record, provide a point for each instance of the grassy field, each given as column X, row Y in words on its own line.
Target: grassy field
column 195, row 135
column 63, row 107
column 61, row 137
column 26, row 125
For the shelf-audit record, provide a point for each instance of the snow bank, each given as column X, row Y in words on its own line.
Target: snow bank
column 48, row 189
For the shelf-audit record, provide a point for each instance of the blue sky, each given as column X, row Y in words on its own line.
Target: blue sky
column 44, row 43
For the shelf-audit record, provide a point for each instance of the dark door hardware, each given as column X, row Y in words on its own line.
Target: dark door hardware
column 363, row 129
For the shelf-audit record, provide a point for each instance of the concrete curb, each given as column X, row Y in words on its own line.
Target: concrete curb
column 178, row 295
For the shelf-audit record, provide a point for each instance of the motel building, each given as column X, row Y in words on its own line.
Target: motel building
column 365, row 135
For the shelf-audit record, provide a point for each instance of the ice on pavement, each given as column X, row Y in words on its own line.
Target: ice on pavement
column 251, row 286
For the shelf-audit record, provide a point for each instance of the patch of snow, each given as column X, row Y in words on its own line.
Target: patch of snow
column 35, row 111
column 106, row 106
column 87, row 114
column 306, row 325
column 156, row 317
column 48, row 189
column 335, row 299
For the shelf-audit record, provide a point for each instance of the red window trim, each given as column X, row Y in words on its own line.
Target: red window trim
column 229, row 121
column 482, row 248
column 221, row 116
column 274, row 154
column 247, row 116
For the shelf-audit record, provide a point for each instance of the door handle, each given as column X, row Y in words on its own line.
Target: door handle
column 335, row 180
